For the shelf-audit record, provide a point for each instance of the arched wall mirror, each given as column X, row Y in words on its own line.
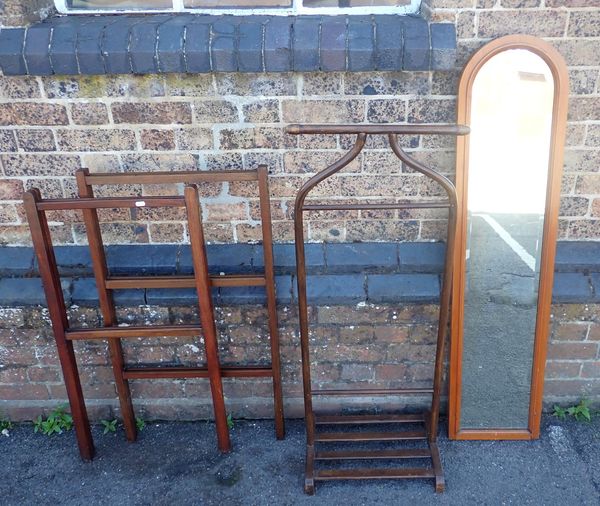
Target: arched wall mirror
column 513, row 94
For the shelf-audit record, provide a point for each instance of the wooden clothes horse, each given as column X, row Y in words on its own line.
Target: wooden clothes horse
column 64, row 335
column 430, row 418
column 266, row 279
column 36, row 207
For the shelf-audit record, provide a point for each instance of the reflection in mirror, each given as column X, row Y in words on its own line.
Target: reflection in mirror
column 511, row 122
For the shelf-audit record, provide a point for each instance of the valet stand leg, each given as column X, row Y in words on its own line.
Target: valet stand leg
column 444, row 315
column 207, row 319
column 107, row 307
column 309, row 415
column 265, row 215
column 42, row 243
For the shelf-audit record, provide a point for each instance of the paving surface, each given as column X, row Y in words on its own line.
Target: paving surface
column 176, row 463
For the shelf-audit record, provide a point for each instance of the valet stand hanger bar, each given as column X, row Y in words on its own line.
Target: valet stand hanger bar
column 106, row 283
column 35, row 208
column 429, row 418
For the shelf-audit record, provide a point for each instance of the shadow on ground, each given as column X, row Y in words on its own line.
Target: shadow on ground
column 177, row 463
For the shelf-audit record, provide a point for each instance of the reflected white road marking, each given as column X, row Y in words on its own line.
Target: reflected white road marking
column 508, row 239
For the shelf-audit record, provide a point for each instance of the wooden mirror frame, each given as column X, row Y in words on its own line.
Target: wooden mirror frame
column 559, row 71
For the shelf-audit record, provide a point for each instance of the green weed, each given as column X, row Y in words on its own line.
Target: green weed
column 5, row 426
column 109, row 425
column 581, row 412
column 58, row 420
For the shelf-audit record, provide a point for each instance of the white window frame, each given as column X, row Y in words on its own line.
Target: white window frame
column 297, row 8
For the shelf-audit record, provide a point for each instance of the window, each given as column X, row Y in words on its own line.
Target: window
column 241, row 6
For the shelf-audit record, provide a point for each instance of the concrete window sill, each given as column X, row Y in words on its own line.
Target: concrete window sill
column 187, row 43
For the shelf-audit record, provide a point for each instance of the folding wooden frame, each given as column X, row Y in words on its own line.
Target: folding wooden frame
column 36, row 208
column 105, row 283
column 429, row 418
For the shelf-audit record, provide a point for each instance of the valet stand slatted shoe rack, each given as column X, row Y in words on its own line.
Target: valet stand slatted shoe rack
column 201, row 280
column 429, row 419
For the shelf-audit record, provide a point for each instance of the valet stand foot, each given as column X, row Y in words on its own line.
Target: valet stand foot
column 309, row 475
column 440, row 482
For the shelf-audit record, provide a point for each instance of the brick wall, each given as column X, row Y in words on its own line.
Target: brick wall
column 389, row 346
column 20, row 13
column 50, row 126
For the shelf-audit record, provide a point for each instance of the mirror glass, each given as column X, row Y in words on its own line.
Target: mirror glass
column 511, row 121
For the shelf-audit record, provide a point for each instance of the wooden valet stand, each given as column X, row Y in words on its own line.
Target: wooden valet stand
column 429, row 419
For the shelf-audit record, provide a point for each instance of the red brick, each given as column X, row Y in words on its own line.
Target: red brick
column 227, row 211
column 541, row 23
column 156, row 389
column 23, row 392
column 96, row 140
column 594, row 334
column 391, row 371
column 410, row 352
column 571, row 388
column 343, row 353
column 32, row 113
column 40, row 165
column 591, row 370
column 89, row 113
column 570, row 331
column 571, row 3
column 11, row 189
column 194, row 138
column 44, row 374
column 36, row 140
column 572, row 351
column 166, row 232
column 12, row 318
column 19, row 87
column 556, row 369
column 157, row 140
column 323, row 111
column 356, row 334
column 152, row 112
column 215, row 111
column 13, row 375
column 18, row 356
column 392, row 334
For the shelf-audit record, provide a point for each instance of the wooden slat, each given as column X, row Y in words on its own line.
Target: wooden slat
column 374, row 391
column 421, row 453
column 367, row 419
column 195, row 372
column 125, row 332
column 227, row 280
column 109, row 203
column 369, row 207
column 370, row 436
column 408, row 129
column 163, row 177
column 237, row 280
column 373, row 474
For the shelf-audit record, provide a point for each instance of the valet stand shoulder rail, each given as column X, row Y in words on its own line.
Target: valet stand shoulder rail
column 429, row 419
column 201, row 280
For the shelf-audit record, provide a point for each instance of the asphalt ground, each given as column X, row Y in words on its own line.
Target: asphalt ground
column 499, row 321
column 177, row 463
